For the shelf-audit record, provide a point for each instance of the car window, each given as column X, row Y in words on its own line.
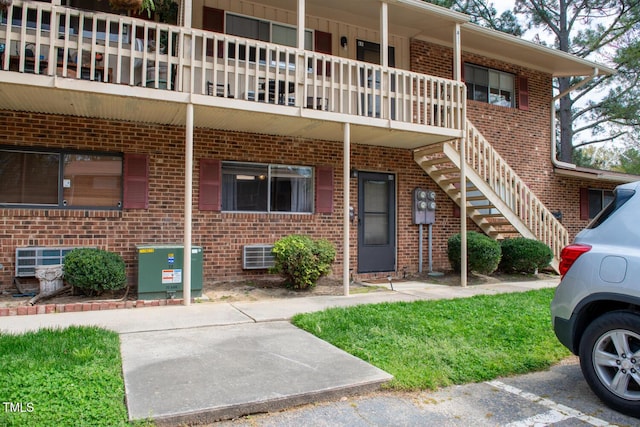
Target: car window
column 620, row 197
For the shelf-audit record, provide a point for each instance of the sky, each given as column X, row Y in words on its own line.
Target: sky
column 502, row 5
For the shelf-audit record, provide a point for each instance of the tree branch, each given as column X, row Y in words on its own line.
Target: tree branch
column 595, row 141
column 591, row 125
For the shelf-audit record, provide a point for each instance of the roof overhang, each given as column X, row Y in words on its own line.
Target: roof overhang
column 505, row 47
column 425, row 21
column 595, row 174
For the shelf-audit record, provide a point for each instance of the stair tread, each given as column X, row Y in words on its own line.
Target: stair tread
column 435, row 161
column 430, row 149
column 444, row 171
column 451, row 180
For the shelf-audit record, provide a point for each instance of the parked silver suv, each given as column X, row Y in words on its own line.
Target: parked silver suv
column 596, row 308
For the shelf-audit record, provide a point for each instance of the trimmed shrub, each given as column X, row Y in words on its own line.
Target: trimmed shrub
column 522, row 255
column 94, row 270
column 483, row 253
column 302, row 260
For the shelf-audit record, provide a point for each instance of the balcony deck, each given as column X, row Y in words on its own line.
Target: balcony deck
column 234, row 83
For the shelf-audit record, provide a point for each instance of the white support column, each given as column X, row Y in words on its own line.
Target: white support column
column 301, row 23
column 346, row 229
column 457, row 55
column 384, row 34
column 188, row 203
column 457, row 75
column 187, row 12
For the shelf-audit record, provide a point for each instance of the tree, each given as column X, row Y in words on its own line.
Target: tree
column 630, row 161
column 485, row 14
column 605, row 108
column 603, row 158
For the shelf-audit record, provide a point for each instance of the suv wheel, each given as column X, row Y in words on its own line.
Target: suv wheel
column 610, row 360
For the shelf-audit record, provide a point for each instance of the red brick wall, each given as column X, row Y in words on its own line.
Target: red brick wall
column 523, row 138
column 222, row 235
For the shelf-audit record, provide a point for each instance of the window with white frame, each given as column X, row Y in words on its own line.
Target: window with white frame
column 254, row 187
column 257, row 29
column 60, row 179
column 489, row 85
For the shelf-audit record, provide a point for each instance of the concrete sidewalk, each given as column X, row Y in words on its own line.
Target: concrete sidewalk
column 210, row 361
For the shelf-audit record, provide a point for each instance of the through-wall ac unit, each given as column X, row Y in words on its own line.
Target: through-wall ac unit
column 28, row 258
column 257, row 257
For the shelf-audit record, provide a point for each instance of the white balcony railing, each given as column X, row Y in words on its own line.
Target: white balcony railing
column 41, row 38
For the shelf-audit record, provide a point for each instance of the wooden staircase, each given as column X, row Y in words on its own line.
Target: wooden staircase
column 498, row 201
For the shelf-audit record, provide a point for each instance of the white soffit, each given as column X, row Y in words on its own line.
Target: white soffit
column 425, row 21
column 508, row 48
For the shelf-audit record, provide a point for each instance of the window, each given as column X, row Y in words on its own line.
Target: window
column 490, row 86
column 252, row 28
column 598, row 200
column 246, row 27
column 370, row 52
column 60, row 179
column 288, row 36
column 251, row 187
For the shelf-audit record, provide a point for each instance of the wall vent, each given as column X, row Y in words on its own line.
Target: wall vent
column 256, row 257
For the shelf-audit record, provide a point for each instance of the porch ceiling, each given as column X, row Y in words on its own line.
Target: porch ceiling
column 406, row 17
column 55, row 95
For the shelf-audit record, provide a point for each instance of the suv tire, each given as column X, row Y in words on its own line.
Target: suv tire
column 610, row 360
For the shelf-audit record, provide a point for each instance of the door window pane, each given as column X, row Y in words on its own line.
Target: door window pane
column 92, row 180
column 376, row 231
column 376, row 208
column 29, row 178
column 376, row 196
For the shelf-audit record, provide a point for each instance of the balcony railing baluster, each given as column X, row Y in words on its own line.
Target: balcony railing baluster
column 41, row 38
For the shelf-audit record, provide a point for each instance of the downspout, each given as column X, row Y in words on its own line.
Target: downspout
column 554, row 151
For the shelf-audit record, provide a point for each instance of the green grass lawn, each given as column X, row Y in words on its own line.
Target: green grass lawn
column 70, row 377
column 430, row 344
column 73, row 377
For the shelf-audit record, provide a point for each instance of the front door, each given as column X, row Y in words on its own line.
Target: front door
column 376, row 222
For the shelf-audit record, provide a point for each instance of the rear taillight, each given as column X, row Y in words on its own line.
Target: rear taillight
column 569, row 255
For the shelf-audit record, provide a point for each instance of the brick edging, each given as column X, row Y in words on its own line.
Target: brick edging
column 25, row 310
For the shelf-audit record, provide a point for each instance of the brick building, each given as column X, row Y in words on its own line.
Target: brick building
column 107, row 128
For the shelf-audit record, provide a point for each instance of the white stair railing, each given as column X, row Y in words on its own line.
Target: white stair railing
column 506, row 184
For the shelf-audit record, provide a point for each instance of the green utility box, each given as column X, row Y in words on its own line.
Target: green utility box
column 160, row 271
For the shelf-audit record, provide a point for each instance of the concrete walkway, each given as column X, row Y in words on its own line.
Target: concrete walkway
column 211, row 361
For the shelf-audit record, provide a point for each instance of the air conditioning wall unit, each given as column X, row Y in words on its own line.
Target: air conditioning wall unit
column 30, row 257
column 257, row 257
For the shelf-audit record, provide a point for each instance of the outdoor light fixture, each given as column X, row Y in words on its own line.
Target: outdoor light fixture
column 343, row 42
